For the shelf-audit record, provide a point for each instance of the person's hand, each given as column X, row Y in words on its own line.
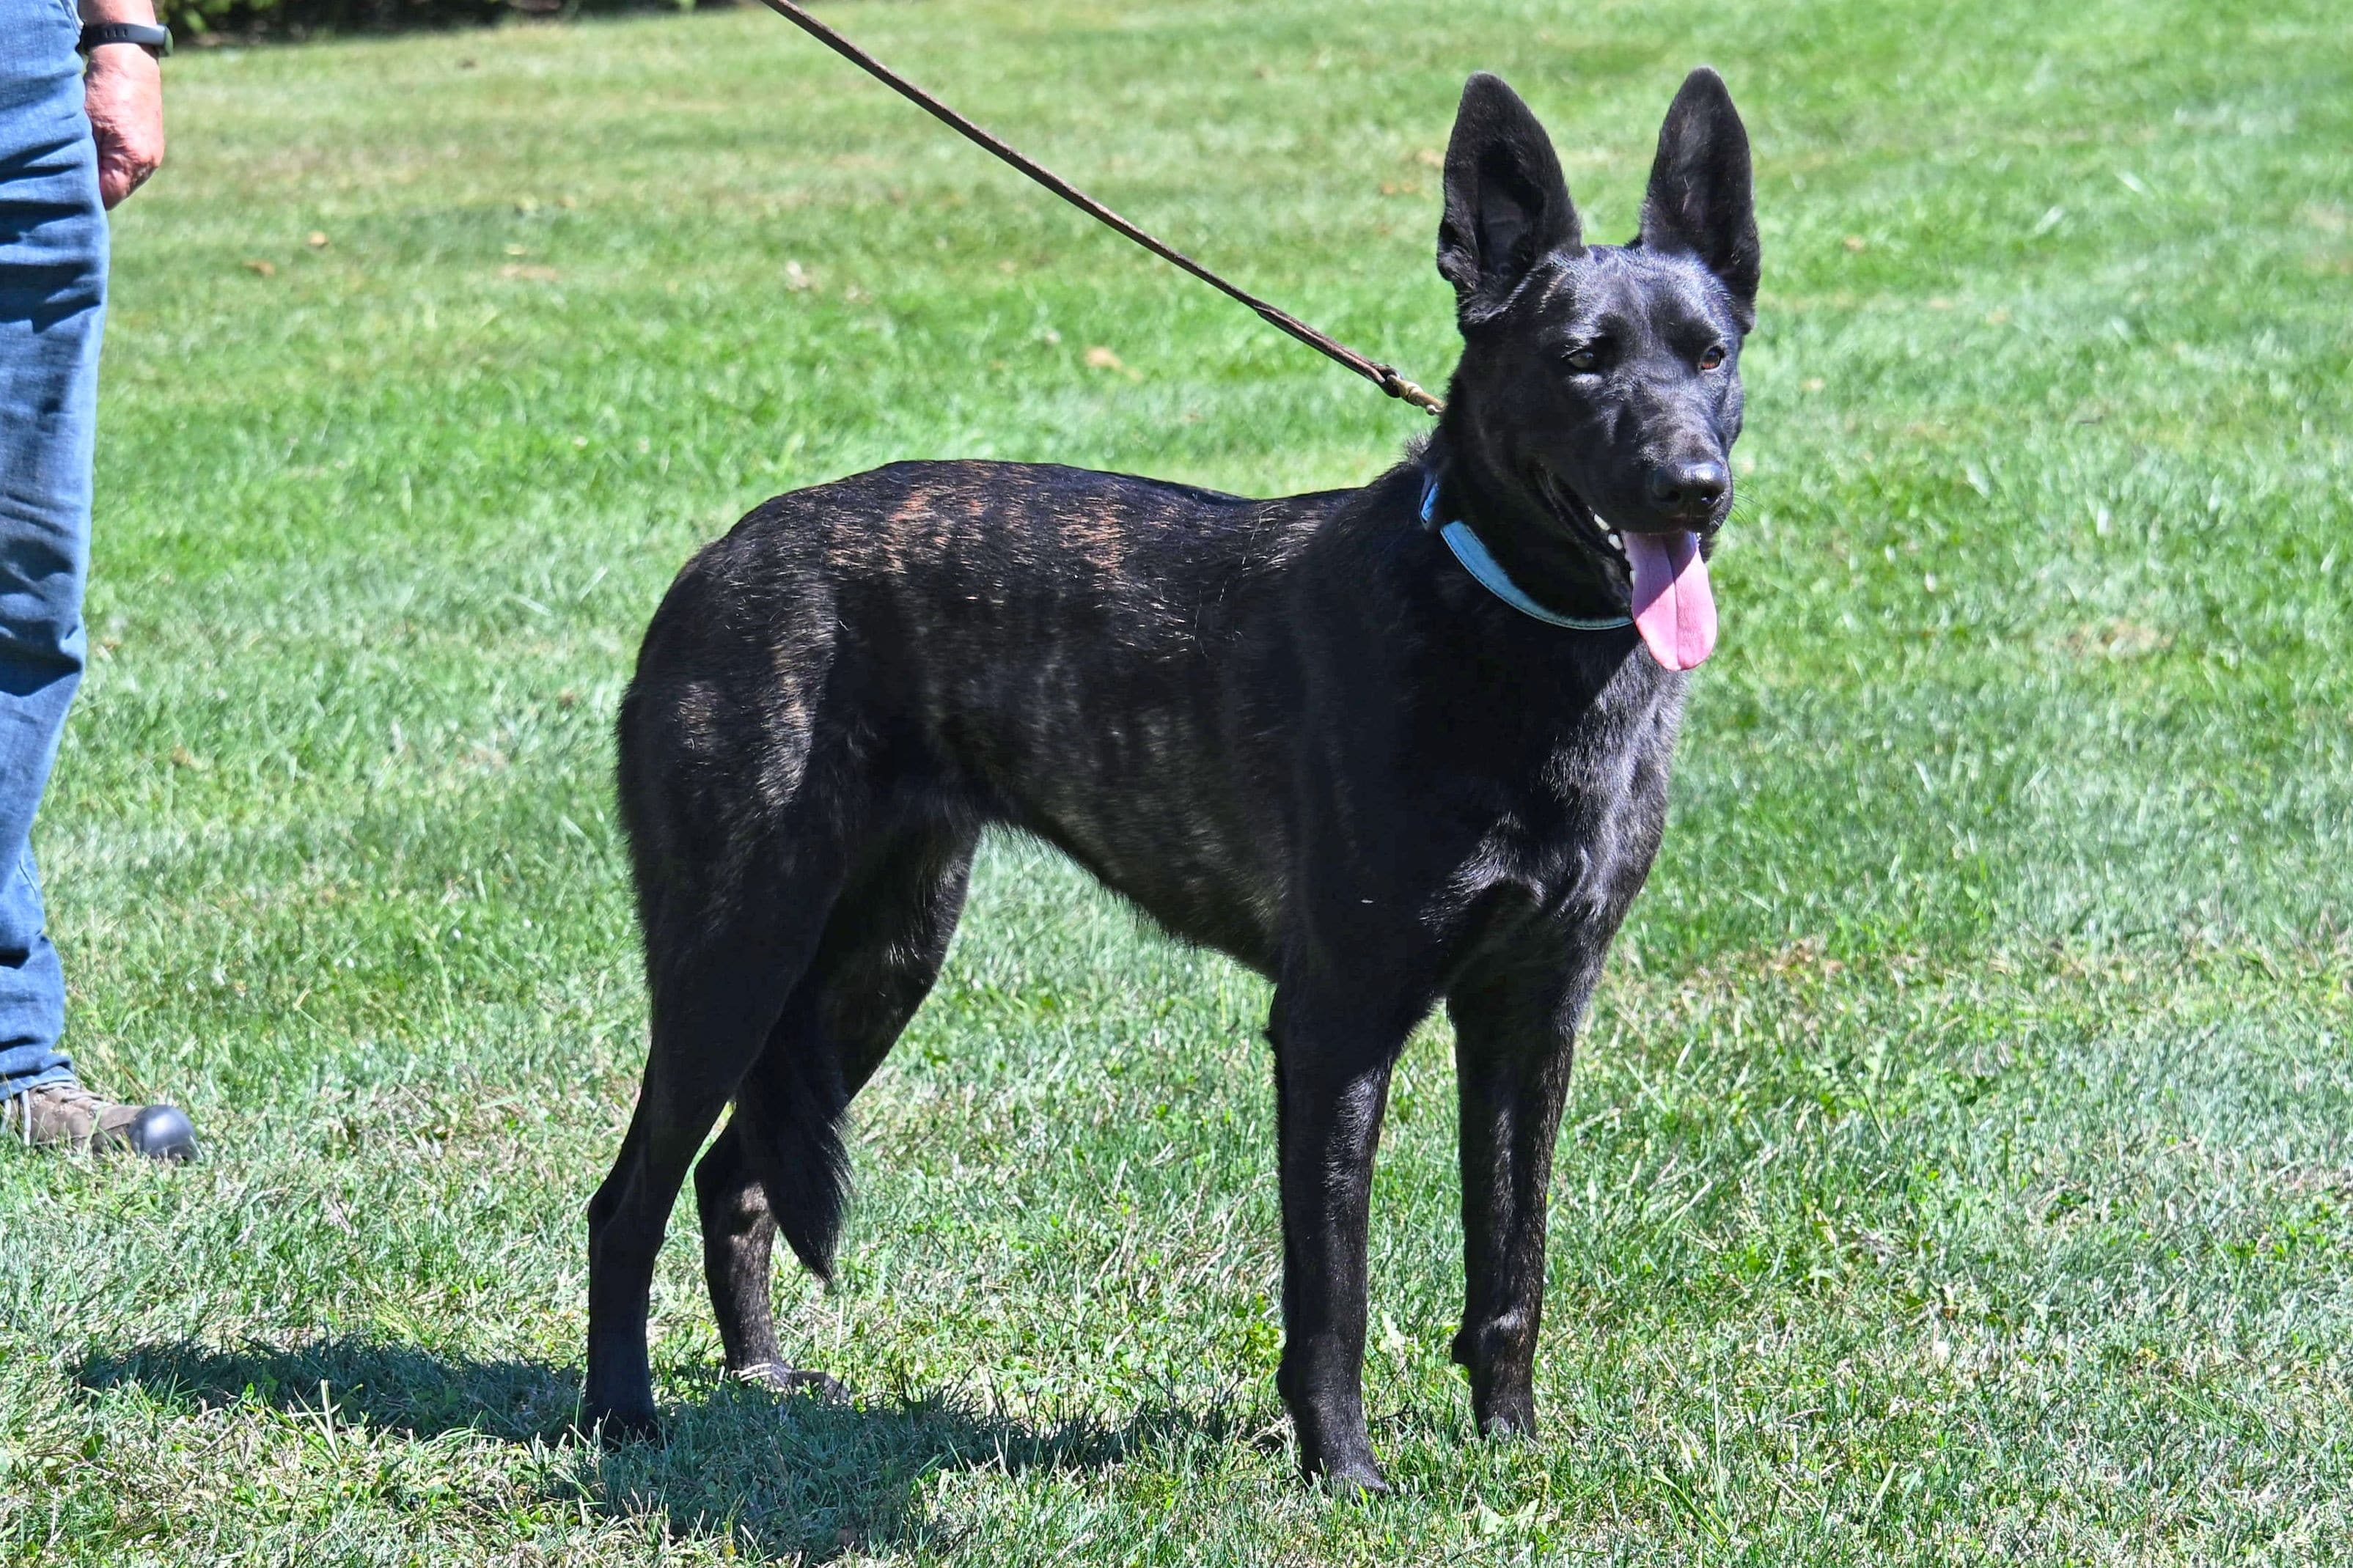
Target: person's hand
column 124, row 95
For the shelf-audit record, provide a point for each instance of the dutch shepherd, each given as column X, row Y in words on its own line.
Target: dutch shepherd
column 1387, row 746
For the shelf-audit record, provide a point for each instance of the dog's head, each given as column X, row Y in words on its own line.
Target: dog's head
column 1599, row 393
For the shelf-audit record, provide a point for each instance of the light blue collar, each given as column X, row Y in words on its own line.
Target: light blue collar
column 1472, row 552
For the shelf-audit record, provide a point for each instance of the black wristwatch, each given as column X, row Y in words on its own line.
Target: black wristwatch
column 155, row 40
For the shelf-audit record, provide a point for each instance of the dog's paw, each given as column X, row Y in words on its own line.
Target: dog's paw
column 1358, row 1477
column 1507, row 1417
column 614, row 1426
column 824, row 1386
column 1344, row 1467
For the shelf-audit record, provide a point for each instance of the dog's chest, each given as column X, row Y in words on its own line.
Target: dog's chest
column 1576, row 813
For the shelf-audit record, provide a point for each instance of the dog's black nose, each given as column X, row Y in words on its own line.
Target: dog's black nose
column 1690, row 489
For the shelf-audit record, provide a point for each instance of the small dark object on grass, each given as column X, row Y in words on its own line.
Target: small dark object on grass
column 1296, row 730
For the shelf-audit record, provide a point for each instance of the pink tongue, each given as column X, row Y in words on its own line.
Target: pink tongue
column 1672, row 607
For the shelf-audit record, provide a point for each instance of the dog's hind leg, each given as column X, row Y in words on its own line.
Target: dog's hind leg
column 715, row 996
column 779, row 1165
column 739, row 1232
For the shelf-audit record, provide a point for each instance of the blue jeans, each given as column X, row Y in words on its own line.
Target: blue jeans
column 53, row 251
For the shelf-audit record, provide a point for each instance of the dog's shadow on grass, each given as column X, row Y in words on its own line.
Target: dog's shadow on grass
column 794, row 1478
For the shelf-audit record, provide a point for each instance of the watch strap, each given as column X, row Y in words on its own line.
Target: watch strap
column 146, row 35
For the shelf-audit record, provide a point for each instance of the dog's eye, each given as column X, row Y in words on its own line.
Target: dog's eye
column 1713, row 358
column 1582, row 358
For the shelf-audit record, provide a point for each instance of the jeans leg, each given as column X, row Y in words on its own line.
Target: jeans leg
column 53, row 258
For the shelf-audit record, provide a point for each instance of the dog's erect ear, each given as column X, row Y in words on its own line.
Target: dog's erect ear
column 1506, row 205
column 1700, row 201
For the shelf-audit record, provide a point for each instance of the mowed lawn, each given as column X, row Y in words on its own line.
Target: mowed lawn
column 1959, row 1164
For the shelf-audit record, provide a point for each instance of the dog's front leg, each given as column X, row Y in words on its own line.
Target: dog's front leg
column 1513, row 1039
column 1332, row 1072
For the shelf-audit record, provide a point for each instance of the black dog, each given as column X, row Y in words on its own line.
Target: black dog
column 1326, row 734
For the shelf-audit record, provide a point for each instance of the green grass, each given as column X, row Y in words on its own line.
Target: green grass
column 1960, row 1163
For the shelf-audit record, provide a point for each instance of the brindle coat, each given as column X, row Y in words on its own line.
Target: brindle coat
column 1295, row 731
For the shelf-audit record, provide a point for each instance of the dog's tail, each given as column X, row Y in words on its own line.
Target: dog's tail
column 789, row 1111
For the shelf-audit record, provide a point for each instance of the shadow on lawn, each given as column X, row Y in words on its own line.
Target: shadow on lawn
column 791, row 1478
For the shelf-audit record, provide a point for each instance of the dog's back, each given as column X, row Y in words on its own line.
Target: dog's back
column 1098, row 660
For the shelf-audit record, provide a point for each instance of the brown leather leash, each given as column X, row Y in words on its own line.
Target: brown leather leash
column 1381, row 375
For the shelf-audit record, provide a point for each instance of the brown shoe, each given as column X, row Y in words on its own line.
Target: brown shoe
column 68, row 1114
